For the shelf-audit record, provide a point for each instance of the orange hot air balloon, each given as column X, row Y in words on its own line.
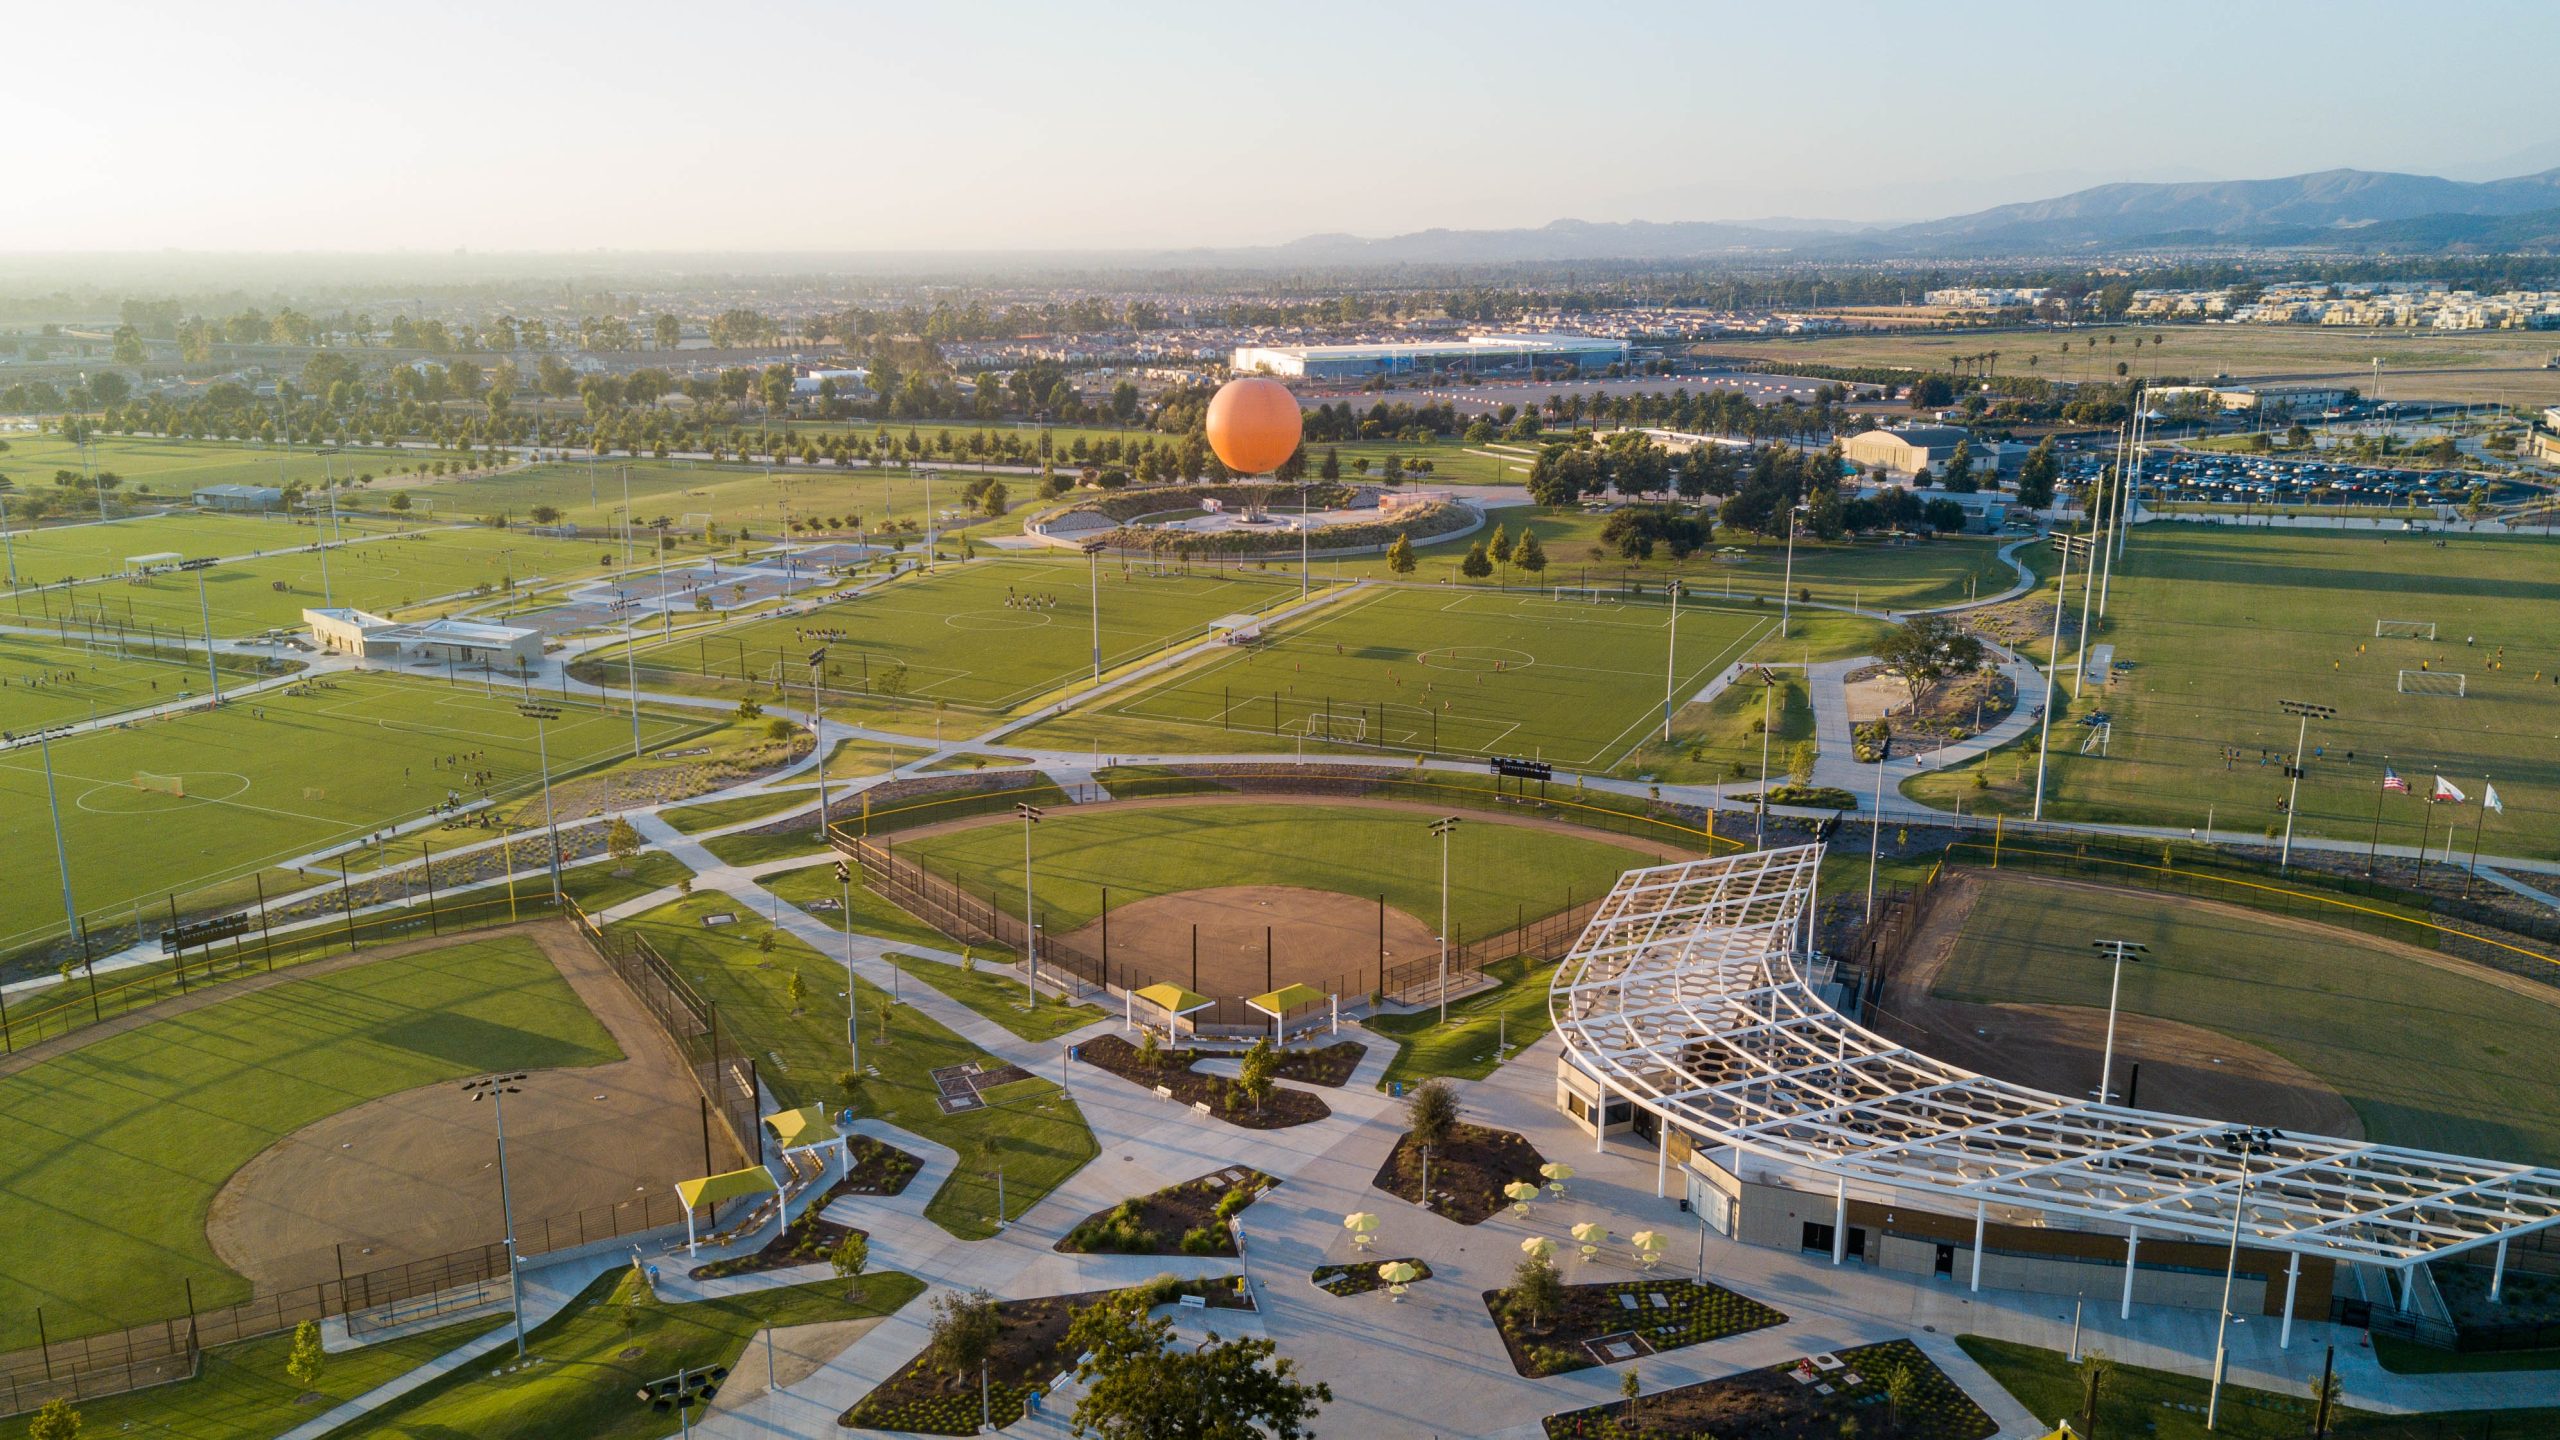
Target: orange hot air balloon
column 1253, row 424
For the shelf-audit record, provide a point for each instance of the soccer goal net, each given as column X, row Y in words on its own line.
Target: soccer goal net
column 165, row 784
column 694, row 520
column 1354, row 728
column 1585, row 594
column 2405, row 629
column 2433, row 682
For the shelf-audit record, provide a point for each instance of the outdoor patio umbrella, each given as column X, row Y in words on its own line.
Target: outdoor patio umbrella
column 1648, row 1245
column 1538, row 1246
column 1398, row 1274
column 1592, row 1236
column 1362, row 1225
column 1521, row 1193
column 1557, row 1173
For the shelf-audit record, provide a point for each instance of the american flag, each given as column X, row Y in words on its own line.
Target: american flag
column 2391, row 780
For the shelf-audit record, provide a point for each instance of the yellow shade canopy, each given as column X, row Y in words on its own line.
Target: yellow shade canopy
column 712, row 1189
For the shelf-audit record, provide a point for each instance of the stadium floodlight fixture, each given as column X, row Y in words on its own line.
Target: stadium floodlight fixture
column 1443, row 827
column 1031, row 815
column 2120, row 951
column 2243, row 1143
column 2305, row 712
column 542, row 715
column 42, row 737
column 495, row 1089
column 204, row 610
column 1787, row 593
column 1093, row 602
column 817, row 736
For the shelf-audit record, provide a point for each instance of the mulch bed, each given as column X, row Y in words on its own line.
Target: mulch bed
column 879, row 1168
column 1467, row 1174
column 1362, row 1278
column 1331, row 1065
column 1029, row 1353
column 1180, row 1219
column 1772, row 1404
column 1283, row 1109
column 1598, row 1325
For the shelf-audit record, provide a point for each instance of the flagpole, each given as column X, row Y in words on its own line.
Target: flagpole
column 2374, row 846
column 2476, row 827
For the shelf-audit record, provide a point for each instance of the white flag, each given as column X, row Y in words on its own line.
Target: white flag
column 2489, row 799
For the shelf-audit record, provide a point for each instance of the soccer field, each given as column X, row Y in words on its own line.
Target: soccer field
column 47, row 682
column 118, row 1148
column 1574, row 682
column 266, row 780
column 176, row 467
column 732, row 495
column 2430, row 1052
column 384, row 573
column 86, row 549
column 2219, row 624
column 984, row 636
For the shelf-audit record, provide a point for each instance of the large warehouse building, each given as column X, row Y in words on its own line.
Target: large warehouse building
column 1475, row 354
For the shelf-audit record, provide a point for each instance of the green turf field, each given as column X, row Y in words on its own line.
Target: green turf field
column 173, row 467
column 379, row 574
column 1452, row 671
column 116, row 1149
column 1720, row 742
column 269, row 779
column 1494, row 868
column 48, row 682
column 733, row 496
column 2221, row 624
column 87, row 549
column 1030, row 1128
column 953, row 637
column 2429, row 1056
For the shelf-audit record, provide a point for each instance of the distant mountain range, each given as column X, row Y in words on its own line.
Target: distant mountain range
column 2352, row 209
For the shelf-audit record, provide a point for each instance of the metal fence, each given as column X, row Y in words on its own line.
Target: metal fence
column 725, row 1074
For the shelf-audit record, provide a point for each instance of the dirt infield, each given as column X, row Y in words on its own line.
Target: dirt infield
column 2186, row 1069
column 414, row 1175
column 1317, row 937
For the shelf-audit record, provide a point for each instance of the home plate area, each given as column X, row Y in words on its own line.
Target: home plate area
column 958, row 1087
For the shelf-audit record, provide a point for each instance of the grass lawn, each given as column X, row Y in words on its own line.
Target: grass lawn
column 994, row 994
column 872, row 915
column 1720, row 741
column 2221, row 624
column 270, row 781
column 732, row 495
column 178, row 467
column 587, row 1383
column 2407, row 1357
column 119, row 1146
column 952, row 637
column 712, row 814
column 750, row 848
column 853, row 759
column 1494, row 868
column 243, row 1393
column 1513, row 1014
column 1454, row 671
column 383, row 573
column 84, row 549
column 2429, row 1057
column 50, row 682
column 596, row 887
column 2155, row 1403
column 1031, row 1128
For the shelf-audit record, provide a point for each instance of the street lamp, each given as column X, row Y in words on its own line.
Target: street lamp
column 1787, row 595
column 212, row 673
column 2120, row 951
column 1444, row 827
column 2305, row 711
column 1093, row 585
column 541, row 715
column 2242, row 1142
column 495, row 1089
column 1030, row 814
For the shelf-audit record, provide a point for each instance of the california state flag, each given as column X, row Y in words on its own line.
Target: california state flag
column 2448, row 792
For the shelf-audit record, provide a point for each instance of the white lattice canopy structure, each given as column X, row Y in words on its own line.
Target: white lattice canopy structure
column 1684, row 996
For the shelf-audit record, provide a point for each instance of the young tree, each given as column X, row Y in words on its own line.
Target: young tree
column 621, row 841
column 1141, row 1385
column 848, row 1258
column 1801, row 758
column 1536, row 1288
column 1331, row 469
column 1927, row 649
column 1629, row 1387
column 1400, row 555
column 1431, row 1113
column 1477, row 565
column 1528, row 554
column 58, row 1421
column 1499, row 547
column 1254, row 1072
column 2096, row 1369
column 963, row 1330
column 796, row 990
column 306, row 1360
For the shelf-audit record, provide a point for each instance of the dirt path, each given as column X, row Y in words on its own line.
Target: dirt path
column 414, row 1175
column 1321, row 937
column 2186, row 1069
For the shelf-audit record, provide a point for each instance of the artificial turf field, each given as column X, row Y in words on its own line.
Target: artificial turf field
column 734, row 496
column 2431, row 1054
column 49, row 682
column 958, row 638
column 114, row 1151
column 175, row 467
column 1454, row 671
column 87, row 548
column 269, row 778
column 379, row 573
column 2220, row 624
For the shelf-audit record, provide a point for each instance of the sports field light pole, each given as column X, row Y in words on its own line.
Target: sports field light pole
column 1444, row 827
column 2052, row 658
column 2245, row 1142
column 61, row 854
column 1093, row 584
column 1875, row 826
column 818, row 735
column 1670, row 659
column 495, row 1089
column 212, row 673
column 852, row 992
column 542, row 715
column 1030, row 814
column 1760, row 811
column 8, row 488
column 2121, row 951
column 2305, row 710
column 1787, row 594
column 631, row 642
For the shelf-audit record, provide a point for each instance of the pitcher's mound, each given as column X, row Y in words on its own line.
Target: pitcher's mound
column 1317, row 937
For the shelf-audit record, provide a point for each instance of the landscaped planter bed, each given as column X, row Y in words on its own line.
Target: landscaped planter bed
column 1467, row 1174
column 878, row 1169
column 1773, row 1404
column 1184, row 1219
column 1625, row 1320
column 1362, row 1277
column 1284, row 1108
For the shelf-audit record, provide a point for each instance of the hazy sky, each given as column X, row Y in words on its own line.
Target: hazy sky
column 537, row 125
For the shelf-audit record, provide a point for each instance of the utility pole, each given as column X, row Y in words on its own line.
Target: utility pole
column 2305, row 710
